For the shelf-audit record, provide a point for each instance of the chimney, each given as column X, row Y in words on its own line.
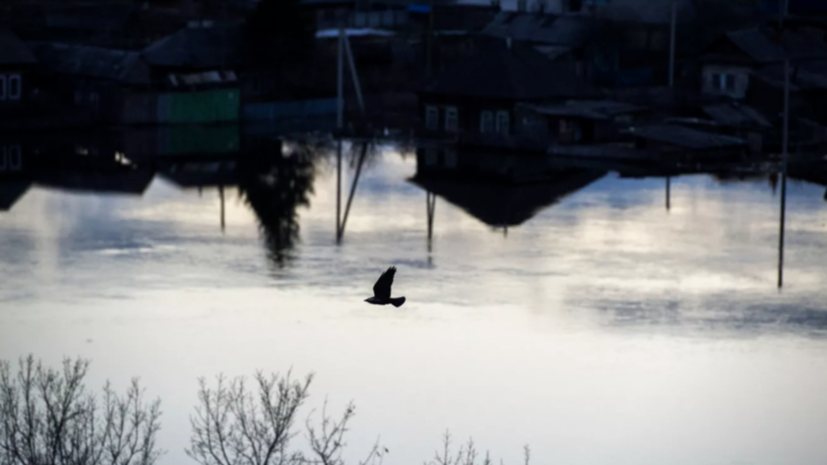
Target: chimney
column 508, row 42
column 521, row 5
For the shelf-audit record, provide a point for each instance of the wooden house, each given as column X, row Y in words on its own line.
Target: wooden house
column 479, row 95
column 16, row 65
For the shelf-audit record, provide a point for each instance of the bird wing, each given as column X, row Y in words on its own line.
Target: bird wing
column 382, row 288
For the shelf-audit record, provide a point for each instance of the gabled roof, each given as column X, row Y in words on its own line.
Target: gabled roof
column 736, row 115
column 93, row 62
column 206, row 47
column 10, row 193
column 765, row 46
column 516, row 72
column 14, row 51
column 498, row 204
column 566, row 30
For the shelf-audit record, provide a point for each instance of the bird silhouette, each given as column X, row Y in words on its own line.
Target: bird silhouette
column 382, row 290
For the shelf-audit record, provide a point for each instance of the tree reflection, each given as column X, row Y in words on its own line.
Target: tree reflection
column 274, row 190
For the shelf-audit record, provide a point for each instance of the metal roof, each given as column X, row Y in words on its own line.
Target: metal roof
column 516, row 72
column 682, row 136
column 94, row 62
column 588, row 109
column 14, row 51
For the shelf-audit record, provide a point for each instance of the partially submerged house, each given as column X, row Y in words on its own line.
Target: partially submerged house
column 730, row 64
column 110, row 86
column 197, row 68
column 479, row 95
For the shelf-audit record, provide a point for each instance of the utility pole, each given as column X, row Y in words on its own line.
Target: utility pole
column 785, row 139
column 429, row 65
column 672, row 43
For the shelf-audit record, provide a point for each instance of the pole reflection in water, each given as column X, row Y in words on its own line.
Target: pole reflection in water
column 784, row 156
column 221, row 196
column 430, row 204
column 341, row 221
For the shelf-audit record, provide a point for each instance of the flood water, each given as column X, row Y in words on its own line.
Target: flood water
column 596, row 325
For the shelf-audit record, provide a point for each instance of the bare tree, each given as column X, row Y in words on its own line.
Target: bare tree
column 466, row 455
column 47, row 417
column 232, row 426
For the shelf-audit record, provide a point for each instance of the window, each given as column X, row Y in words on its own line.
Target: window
column 716, row 81
column 2, row 87
column 729, row 81
column 14, row 89
column 450, row 158
column 451, row 119
column 503, row 122
column 430, row 157
column 431, row 118
column 486, row 122
column 15, row 159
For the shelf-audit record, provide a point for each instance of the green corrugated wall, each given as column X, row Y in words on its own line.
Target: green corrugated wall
column 205, row 106
column 202, row 139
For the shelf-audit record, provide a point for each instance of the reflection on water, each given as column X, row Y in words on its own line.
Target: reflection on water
column 626, row 308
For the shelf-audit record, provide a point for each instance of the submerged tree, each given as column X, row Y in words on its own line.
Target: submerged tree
column 234, row 424
column 48, row 417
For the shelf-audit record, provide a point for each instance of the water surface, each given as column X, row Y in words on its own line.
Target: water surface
column 602, row 329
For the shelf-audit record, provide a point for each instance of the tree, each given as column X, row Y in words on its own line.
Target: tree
column 232, row 425
column 47, row 417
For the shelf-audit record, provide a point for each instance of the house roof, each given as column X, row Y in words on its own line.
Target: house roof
column 497, row 204
column 94, row 62
column 685, row 137
column 647, row 11
column 516, row 72
column 10, row 193
column 569, row 30
column 736, row 115
column 806, row 76
column 14, row 51
column 588, row 109
column 203, row 47
column 765, row 46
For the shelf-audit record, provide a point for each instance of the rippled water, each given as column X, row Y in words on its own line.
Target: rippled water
column 603, row 329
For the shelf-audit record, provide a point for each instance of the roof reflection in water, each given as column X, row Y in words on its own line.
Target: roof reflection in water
column 499, row 189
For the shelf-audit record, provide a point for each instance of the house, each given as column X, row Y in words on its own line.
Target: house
column 578, row 121
column 110, row 86
column 479, row 95
column 16, row 64
column 559, row 37
column 730, row 63
column 197, row 67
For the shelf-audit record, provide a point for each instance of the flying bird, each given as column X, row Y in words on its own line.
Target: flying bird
column 382, row 290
